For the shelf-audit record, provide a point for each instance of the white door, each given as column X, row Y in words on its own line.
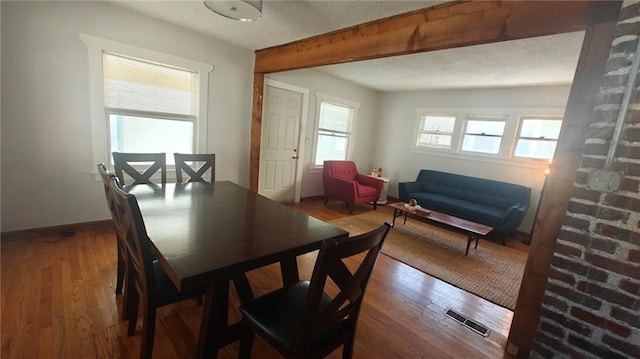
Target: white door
column 282, row 110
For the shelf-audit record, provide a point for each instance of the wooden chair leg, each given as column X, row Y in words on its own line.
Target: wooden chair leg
column 132, row 311
column 246, row 341
column 148, row 331
column 125, row 296
column 120, row 275
column 347, row 348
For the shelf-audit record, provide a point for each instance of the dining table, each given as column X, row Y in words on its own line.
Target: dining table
column 218, row 231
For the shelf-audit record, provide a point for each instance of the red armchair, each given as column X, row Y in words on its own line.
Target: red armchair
column 342, row 181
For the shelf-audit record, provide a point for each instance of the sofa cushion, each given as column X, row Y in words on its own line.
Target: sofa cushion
column 460, row 208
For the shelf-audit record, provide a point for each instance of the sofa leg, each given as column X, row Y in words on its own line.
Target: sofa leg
column 326, row 200
column 351, row 207
column 375, row 205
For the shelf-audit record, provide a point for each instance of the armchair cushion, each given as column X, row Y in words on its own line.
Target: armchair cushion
column 342, row 181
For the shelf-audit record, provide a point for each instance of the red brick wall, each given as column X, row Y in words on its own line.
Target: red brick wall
column 591, row 307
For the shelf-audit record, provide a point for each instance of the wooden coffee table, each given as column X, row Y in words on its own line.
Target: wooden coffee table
column 473, row 230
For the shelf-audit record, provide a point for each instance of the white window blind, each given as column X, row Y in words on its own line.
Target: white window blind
column 334, row 132
column 140, row 86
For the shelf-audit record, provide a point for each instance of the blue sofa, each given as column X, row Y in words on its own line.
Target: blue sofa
column 497, row 204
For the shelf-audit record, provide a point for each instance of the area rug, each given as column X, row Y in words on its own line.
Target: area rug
column 493, row 271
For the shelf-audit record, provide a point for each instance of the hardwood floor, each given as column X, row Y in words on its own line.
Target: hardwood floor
column 58, row 302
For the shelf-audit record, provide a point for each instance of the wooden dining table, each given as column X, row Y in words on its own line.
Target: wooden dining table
column 217, row 232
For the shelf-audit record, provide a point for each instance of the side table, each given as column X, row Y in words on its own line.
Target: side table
column 385, row 187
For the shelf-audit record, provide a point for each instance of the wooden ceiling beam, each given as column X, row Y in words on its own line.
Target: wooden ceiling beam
column 444, row 26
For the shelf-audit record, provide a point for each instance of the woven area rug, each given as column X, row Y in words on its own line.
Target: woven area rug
column 492, row 271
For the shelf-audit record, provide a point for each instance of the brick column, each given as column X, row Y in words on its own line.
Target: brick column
column 591, row 307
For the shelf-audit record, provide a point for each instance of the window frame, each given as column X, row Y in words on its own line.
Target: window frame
column 469, row 117
column 422, row 116
column 320, row 98
column 511, row 130
column 96, row 46
column 518, row 136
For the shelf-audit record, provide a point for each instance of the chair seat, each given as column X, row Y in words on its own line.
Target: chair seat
column 279, row 314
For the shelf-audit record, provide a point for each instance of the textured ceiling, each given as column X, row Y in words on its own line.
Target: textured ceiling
column 538, row 61
column 547, row 60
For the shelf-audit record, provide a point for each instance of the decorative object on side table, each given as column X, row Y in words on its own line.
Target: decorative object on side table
column 377, row 172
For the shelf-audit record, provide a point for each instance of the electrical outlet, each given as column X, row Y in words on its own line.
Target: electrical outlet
column 604, row 180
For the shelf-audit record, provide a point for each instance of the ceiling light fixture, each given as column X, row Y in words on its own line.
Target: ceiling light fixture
column 243, row 10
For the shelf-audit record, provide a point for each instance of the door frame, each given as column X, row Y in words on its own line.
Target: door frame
column 302, row 130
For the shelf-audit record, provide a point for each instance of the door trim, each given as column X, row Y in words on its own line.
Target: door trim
column 302, row 133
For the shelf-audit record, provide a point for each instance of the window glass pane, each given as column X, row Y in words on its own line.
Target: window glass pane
column 133, row 84
column 331, row 148
column 535, row 149
column 334, row 117
column 540, row 128
column 437, row 140
column 485, row 127
column 482, row 144
column 138, row 134
column 438, row 123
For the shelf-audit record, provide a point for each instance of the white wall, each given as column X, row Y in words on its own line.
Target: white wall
column 366, row 125
column 46, row 128
column 398, row 121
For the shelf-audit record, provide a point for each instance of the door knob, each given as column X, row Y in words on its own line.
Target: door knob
column 295, row 157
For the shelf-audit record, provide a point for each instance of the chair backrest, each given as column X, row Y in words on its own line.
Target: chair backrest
column 106, row 177
column 341, row 169
column 130, row 227
column 156, row 162
column 345, row 306
column 200, row 164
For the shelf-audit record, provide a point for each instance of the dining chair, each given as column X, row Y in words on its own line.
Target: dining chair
column 122, row 252
column 148, row 283
column 123, row 165
column 301, row 320
column 201, row 162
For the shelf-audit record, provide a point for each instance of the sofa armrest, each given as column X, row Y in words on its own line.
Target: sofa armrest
column 404, row 188
column 513, row 216
column 369, row 181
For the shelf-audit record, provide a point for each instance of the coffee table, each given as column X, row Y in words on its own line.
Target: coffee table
column 473, row 230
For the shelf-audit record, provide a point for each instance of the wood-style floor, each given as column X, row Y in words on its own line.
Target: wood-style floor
column 58, row 302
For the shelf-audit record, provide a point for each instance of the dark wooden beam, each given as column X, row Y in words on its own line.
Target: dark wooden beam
column 445, row 26
column 442, row 27
column 256, row 131
column 559, row 185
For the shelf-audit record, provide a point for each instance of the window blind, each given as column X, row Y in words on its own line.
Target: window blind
column 136, row 85
column 334, row 117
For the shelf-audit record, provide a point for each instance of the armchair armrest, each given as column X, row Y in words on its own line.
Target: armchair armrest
column 404, row 188
column 369, row 181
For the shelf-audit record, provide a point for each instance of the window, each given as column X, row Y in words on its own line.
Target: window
column 538, row 137
column 436, row 131
column 150, row 107
column 483, row 134
column 335, row 129
column 145, row 101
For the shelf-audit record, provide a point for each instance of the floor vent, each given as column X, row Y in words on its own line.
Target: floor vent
column 469, row 323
